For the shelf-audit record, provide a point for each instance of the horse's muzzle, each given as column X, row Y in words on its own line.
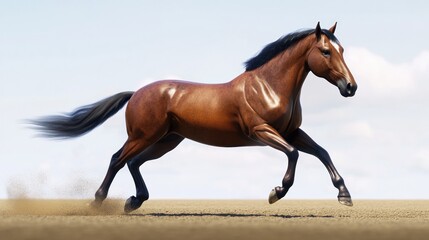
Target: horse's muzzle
column 347, row 89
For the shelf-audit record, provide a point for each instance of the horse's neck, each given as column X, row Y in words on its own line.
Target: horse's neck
column 286, row 72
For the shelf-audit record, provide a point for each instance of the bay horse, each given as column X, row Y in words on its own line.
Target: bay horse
column 260, row 107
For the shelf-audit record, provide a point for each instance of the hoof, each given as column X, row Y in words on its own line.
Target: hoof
column 132, row 204
column 272, row 198
column 346, row 201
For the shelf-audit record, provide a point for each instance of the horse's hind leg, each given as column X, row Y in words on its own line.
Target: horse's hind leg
column 101, row 193
column 130, row 149
column 155, row 151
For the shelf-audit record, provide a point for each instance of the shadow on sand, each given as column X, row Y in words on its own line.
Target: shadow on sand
column 229, row 215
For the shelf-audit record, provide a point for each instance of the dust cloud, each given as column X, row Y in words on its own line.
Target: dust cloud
column 43, row 186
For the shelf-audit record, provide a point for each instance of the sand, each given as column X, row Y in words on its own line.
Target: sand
column 217, row 219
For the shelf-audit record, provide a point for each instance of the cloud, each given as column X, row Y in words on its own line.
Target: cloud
column 379, row 77
column 357, row 129
column 421, row 62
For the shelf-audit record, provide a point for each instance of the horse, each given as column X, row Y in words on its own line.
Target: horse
column 260, row 107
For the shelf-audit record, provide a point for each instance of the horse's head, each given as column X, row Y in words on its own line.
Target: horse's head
column 325, row 59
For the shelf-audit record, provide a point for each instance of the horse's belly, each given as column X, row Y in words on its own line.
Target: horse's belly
column 218, row 138
column 212, row 130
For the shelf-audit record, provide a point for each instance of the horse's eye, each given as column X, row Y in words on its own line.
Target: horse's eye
column 326, row 52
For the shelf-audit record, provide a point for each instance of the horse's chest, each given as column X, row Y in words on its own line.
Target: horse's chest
column 280, row 113
column 268, row 106
column 285, row 118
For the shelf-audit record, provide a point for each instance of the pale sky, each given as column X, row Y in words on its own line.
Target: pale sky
column 56, row 56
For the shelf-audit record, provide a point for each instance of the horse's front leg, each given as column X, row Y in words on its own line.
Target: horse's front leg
column 268, row 135
column 304, row 143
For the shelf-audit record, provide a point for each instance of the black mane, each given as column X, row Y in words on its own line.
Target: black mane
column 283, row 43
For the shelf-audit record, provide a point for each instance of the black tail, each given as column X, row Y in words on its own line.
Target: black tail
column 81, row 120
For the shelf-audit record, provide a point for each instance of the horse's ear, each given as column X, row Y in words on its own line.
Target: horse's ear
column 318, row 31
column 332, row 29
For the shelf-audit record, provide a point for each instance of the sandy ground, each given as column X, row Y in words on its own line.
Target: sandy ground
column 197, row 219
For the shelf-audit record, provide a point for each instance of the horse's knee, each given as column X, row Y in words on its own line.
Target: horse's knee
column 134, row 164
column 293, row 155
column 131, row 165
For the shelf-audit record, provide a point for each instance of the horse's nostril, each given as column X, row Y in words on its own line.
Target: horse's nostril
column 349, row 88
